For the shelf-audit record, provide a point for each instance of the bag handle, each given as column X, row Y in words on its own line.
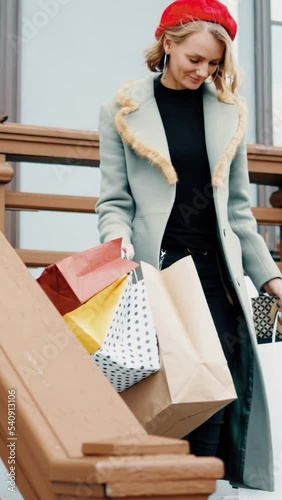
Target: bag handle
column 277, row 320
column 132, row 274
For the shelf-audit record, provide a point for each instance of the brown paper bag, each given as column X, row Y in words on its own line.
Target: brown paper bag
column 194, row 381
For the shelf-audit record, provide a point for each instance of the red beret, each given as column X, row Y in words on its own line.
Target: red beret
column 184, row 11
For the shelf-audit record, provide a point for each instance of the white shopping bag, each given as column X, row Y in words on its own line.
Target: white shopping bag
column 270, row 355
column 130, row 350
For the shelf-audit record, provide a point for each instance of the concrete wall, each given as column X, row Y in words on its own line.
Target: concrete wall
column 74, row 55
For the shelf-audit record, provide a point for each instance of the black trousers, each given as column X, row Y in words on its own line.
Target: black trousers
column 205, row 439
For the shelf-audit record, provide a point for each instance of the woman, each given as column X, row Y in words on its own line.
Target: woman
column 175, row 183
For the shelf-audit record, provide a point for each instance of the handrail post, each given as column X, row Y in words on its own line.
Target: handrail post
column 6, row 175
column 276, row 202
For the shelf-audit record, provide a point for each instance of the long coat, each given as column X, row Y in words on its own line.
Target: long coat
column 138, row 187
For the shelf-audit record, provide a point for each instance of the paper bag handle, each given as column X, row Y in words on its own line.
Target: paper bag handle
column 132, row 274
column 278, row 319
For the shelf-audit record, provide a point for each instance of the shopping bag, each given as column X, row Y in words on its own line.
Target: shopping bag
column 130, row 351
column 264, row 314
column 270, row 356
column 91, row 321
column 194, row 381
column 75, row 279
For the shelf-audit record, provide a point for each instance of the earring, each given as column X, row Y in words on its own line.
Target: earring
column 213, row 77
column 165, row 65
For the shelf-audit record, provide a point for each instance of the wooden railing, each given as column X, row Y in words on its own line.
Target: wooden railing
column 20, row 143
column 265, row 168
column 77, row 148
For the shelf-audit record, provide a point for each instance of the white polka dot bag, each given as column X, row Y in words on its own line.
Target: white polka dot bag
column 130, row 350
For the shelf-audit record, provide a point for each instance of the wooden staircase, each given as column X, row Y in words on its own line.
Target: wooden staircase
column 66, row 433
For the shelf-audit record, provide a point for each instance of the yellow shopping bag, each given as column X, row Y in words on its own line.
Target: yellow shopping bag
column 91, row 321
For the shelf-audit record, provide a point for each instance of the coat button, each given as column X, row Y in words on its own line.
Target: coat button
column 224, row 232
column 238, row 282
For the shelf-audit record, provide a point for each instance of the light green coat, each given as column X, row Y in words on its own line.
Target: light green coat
column 138, row 188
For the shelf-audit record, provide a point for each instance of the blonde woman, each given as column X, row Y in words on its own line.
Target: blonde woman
column 175, row 183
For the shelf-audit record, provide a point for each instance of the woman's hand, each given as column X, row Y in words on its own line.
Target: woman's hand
column 274, row 287
column 129, row 252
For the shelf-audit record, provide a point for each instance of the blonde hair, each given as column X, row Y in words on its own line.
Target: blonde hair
column 226, row 79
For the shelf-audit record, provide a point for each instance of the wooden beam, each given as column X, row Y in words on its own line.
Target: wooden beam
column 153, row 468
column 268, row 216
column 36, row 201
column 41, row 258
column 145, row 445
column 129, row 471
column 25, row 142
column 264, row 149
column 20, row 130
column 265, row 173
column 6, row 175
column 161, row 488
column 265, row 164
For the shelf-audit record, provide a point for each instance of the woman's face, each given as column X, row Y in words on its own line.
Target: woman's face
column 192, row 61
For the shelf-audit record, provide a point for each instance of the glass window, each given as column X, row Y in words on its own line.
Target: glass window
column 276, row 10
column 277, row 83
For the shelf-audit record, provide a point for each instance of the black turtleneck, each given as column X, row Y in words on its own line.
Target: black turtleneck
column 192, row 222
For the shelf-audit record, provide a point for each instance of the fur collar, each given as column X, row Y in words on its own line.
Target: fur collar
column 130, row 98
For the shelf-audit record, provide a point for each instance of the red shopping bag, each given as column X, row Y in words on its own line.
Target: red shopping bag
column 75, row 279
